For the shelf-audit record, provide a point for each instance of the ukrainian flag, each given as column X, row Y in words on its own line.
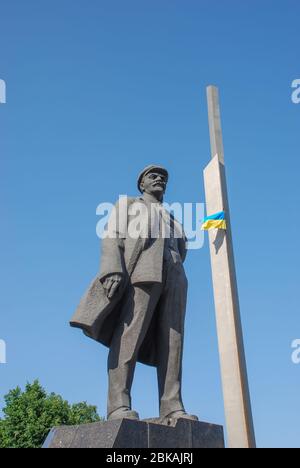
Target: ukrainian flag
column 215, row 221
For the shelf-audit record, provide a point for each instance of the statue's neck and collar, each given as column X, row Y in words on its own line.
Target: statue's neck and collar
column 147, row 198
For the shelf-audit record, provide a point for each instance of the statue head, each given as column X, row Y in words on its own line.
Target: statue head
column 153, row 181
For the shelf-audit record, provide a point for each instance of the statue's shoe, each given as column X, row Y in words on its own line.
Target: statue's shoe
column 123, row 413
column 170, row 418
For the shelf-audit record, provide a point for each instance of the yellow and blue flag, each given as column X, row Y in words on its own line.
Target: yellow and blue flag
column 215, row 221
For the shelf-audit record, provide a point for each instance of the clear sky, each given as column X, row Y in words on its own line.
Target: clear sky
column 96, row 90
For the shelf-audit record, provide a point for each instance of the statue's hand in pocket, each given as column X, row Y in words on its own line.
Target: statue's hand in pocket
column 176, row 257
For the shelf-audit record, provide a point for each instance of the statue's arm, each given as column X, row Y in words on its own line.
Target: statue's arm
column 112, row 258
column 112, row 267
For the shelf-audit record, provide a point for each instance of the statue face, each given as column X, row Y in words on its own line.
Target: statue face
column 154, row 183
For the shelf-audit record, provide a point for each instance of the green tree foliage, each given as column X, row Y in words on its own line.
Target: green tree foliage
column 29, row 415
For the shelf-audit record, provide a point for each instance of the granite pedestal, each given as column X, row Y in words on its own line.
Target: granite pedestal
column 126, row 433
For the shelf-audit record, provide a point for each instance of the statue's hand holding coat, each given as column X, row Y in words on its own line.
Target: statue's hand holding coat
column 111, row 284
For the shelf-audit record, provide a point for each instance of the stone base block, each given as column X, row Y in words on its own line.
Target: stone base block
column 126, row 433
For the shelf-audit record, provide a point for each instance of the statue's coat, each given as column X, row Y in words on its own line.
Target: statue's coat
column 138, row 260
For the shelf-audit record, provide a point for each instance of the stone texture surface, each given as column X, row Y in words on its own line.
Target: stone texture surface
column 126, row 433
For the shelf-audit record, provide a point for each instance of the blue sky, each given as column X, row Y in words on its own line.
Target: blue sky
column 97, row 90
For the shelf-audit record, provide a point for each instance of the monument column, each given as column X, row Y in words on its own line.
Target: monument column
column 240, row 431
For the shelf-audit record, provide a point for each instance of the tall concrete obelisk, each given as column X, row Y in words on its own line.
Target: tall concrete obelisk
column 240, row 431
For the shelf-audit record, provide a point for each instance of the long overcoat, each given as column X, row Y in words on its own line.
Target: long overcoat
column 139, row 259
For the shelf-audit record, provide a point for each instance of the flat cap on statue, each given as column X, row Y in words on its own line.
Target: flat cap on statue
column 151, row 168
